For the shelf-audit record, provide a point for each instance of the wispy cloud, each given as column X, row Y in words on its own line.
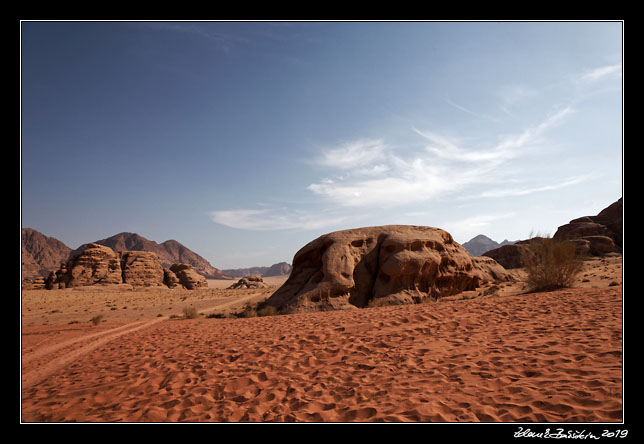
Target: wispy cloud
column 602, row 72
column 363, row 176
column 354, row 155
column 442, row 167
column 275, row 219
column 469, row 111
column 514, row 191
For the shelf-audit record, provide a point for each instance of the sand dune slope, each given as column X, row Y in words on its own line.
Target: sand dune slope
column 538, row 357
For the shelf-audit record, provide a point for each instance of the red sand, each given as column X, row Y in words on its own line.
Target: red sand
column 544, row 357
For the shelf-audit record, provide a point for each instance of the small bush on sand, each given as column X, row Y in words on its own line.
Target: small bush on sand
column 96, row 319
column 550, row 264
column 190, row 313
column 267, row 310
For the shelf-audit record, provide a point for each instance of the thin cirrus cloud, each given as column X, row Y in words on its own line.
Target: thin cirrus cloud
column 275, row 219
column 442, row 167
column 366, row 175
column 602, row 72
column 369, row 174
column 530, row 190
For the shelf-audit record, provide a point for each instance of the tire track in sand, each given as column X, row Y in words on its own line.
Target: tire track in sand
column 68, row 351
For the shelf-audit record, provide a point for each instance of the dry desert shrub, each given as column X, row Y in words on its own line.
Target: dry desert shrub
column 550, row 264
column 190, row 313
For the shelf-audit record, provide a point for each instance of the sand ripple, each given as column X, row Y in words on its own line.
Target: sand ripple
column 540, row 357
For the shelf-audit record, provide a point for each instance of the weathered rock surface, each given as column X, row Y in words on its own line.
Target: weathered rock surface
column 170, row 279
column 169, row 252
column 98, row 264
column 141, row 268
column 388, row 264
column 509, row 256
column 603, row 232
column 33, row 283
column 249, row 282
column 592, row 235
column 188, row 277
column 95, row 265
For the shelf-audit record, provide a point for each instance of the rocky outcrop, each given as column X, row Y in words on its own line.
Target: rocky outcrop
column 169, row 252
column 100, row 265
column 596, row 235
column 33, row 283
column 141, row 268
column 95, row 265
column 249, row 282
column 188, row 277
column 509, row 256
column 395, row 264
column 592, row 236
column 170, row 279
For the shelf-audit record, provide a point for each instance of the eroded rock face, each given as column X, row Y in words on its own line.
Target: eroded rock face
column 170, row 279
column 141, row 268
column 95, row 265
column 188, row 277
column 100, row 265
column 603, row 232
column 389, row 264
column 249, row 282
column 509, row 256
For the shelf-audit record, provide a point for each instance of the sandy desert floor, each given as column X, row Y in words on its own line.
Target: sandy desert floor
column 495, row 354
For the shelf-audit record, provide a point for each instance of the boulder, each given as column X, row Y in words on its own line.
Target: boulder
column 394, row 264
column 603, row 232
column 509, row 256
column 579, row 230
column 489, row 270
column 598, row 245
column 33, row 283
column 94, row 265
column 141, row 268
column 188, row 277
column 170, row 279
column 249, row 282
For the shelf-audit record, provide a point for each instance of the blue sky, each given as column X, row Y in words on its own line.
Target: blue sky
column 246, row 140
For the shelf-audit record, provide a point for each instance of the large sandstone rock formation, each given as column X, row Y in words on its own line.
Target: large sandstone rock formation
column 99, row 265
column 141, row 268
column 388, row 264
column 188, row 277
column 95, row 265
column 509, row 256
column 169, row 252
column 592, row 235
column 596, row 235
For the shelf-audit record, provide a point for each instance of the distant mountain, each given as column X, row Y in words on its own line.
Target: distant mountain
column 481, row 244
column 169, row 252
column 41, row 254
column 279, row 269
